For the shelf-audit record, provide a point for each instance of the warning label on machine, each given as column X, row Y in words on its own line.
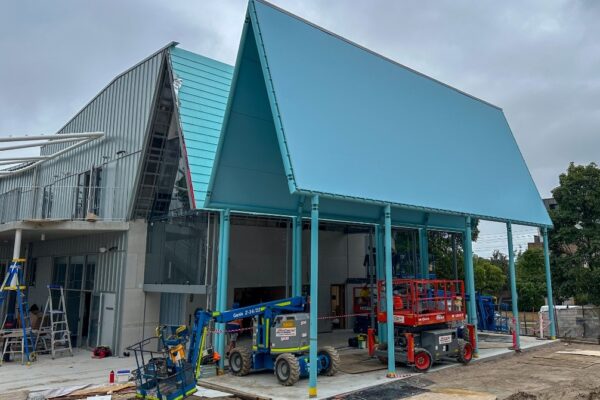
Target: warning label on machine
column 285, row 332
column 445, row 339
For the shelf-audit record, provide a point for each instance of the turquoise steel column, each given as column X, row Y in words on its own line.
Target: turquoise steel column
column 513, row 285
column 467, row 280
column 314, row 294
column 549, row 285
column 389, row 308
column 294, row 257
column 217, row 293
column 472, row 310
column 298, row 255
column 424, row 252
column 379, row 266
column 222, row 291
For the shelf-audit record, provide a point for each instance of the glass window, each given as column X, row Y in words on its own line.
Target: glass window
column 75, row 273
column 30, row 272
column 176, row 251
column 405, row 252
column 60, row 271
column 3, row 270
column 72, row 299
column 82, row 194
column 94, row 321
column 90, row 272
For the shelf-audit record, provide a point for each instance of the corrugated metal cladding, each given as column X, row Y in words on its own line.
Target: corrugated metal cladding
column 6, row 252
column 122, row 112
column 171, row 308
column 110, row 263
column 202, row 99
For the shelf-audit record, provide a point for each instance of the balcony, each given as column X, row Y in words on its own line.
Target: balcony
column 64, row 203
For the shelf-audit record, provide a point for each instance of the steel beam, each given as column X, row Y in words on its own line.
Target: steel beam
column 52, row 137
column 32, row 162
column 549, row 285
column 513, row 286
column 389, row 308
column 314, row 294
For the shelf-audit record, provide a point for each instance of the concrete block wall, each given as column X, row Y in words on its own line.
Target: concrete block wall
column 577, row 322
column 139, row 310
column 258, row 258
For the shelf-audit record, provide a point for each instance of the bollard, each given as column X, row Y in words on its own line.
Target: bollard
column 371, row 341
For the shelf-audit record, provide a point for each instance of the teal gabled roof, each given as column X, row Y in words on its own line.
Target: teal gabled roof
column 202, row 87
column 313, row 113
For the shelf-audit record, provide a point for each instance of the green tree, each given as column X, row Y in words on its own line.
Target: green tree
column 500, row 260
column 575, row 239
column 531, row 281
column 489, row 278
column 441, row 251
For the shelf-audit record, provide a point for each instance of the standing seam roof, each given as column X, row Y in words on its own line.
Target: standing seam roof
column 202, row 99
column 357, row 125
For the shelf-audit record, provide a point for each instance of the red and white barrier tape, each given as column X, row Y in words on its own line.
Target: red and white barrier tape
column 230, row 330
column 342, row 316
column 250, row 327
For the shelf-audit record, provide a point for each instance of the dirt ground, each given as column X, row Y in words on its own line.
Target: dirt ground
column 537, row 374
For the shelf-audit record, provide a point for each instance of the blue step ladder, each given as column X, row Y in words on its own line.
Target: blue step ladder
column 12, row 337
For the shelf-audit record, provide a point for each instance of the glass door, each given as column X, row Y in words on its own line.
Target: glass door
column 87, row 311
column 76, row 275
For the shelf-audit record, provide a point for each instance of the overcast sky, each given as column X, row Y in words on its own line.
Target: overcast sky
column 538, row 60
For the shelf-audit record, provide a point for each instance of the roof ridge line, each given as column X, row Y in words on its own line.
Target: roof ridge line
column 373, row 52
column 113, row 80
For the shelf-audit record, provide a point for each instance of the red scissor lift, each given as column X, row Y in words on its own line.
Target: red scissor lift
column 429, row 322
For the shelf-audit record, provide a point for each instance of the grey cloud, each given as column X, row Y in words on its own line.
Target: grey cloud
column 539, row 60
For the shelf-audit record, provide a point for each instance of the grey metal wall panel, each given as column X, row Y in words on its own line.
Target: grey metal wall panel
column 110, row 263
column 121, row 111
column 171, row 308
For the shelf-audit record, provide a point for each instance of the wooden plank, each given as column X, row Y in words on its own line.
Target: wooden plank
column 235, row 392
column 592, row 353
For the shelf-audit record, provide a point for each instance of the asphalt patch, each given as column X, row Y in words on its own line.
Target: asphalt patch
column 389, row 391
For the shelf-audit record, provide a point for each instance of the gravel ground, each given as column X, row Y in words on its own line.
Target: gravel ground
column 537, row 374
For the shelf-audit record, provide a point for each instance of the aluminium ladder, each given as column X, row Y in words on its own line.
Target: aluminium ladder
column 55, row 323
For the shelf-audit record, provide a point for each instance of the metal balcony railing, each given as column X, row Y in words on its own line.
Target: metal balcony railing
column 83, row 203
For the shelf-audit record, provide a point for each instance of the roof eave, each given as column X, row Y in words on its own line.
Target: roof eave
column 382, row 203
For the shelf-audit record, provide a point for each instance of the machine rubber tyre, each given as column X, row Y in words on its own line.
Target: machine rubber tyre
column 287, row 369
column 423, row 360
column 465, row 351
column 240, row 361
column 334, row 360
column 382, row 347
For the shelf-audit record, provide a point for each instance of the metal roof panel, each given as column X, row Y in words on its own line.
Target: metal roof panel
column 358, row 125
column 202, row 97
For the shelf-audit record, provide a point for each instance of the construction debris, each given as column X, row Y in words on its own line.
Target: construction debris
column 124, row 391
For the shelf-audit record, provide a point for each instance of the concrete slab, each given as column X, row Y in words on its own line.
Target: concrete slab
column 45, row 373
column 265, row 385
column 83, row 370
